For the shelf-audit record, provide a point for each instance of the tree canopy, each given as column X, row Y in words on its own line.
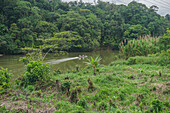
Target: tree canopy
column 74, row 26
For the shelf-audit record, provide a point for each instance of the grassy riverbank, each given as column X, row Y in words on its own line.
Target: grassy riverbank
column 117, row 88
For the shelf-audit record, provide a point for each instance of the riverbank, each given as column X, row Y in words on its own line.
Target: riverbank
column 17, row 68
column 116, row 88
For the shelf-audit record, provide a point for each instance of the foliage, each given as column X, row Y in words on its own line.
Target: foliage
column 165, row 40
column 35, row 24
column 135, row 88
column 162, row 59
column 33, row 55
column 135, row 31
column 94, row 63
column 140, row 47
column 124, row 86
column 7, row 46
column 35, row 71
column 4, row 78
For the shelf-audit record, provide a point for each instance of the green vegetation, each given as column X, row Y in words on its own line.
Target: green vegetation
column 4, row 78
column 94, row 63
column 74, row 26
column 35, row 71
column 137, row 82
column 145, row 45
column 118, row 88
column 155, row 59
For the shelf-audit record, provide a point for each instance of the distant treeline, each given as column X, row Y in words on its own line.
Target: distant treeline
column 74, row 26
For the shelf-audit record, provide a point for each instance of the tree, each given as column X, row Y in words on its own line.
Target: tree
column 102, row 24
column 23, row 8
column 135, row 31
column 14, row 31
column 7, row 45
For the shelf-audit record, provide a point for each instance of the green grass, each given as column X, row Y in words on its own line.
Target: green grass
column 117, row 88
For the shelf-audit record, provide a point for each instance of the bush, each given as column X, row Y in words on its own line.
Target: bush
column 4, row 78
column 145, row 45
column 162, row 59
column 165, row 41
column 140, row 47
column 35, row 71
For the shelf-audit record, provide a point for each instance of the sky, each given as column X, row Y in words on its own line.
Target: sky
column 164, row 5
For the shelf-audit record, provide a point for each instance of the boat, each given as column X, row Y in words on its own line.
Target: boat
column 83, row 56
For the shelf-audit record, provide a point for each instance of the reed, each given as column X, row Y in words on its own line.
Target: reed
column 139, row 47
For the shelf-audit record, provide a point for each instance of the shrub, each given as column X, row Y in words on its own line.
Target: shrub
column 165, row 41
column 4, row 78
column 140, row 47
column 162, row 59
column 35, row 71
column 145, row 45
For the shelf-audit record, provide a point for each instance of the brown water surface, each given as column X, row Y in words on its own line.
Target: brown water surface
column 63, row 63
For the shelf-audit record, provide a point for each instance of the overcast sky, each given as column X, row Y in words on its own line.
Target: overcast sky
column 164, row 5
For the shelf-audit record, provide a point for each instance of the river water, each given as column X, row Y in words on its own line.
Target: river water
column 63, row 63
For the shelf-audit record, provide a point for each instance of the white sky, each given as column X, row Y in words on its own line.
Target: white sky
column 164, row 5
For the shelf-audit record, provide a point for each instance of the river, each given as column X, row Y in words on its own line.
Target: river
column 63, row 63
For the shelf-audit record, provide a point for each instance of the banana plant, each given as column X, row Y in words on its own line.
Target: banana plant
column 94, row 63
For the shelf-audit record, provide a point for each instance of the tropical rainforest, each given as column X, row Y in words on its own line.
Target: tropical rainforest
column 74, row 26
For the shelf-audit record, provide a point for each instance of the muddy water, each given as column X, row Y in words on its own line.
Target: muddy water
column 63, row 63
